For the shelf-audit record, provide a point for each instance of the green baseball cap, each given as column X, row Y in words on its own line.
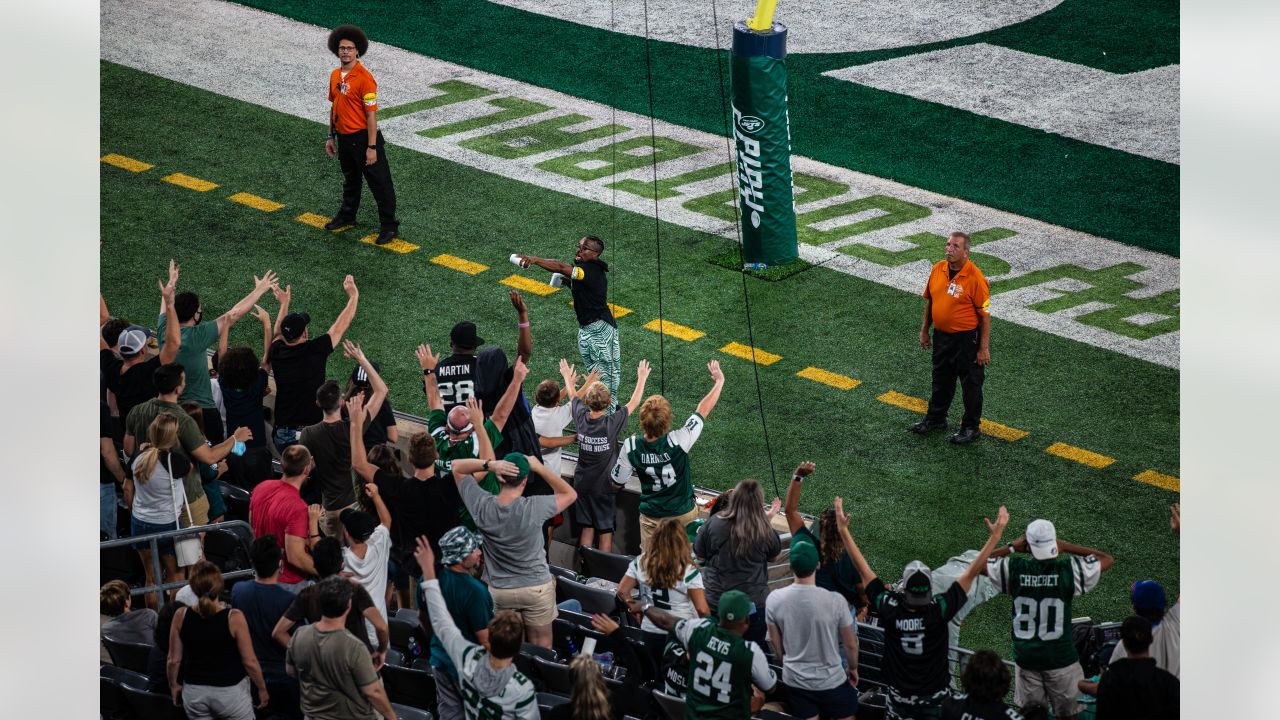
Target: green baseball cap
column 804, row 556
column 735, row 606
column 522, row 465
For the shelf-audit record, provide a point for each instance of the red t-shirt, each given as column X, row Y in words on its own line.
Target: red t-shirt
column 276, row 508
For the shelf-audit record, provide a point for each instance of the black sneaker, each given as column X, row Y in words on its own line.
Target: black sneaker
column 927, row 426
column 966, row 436
column 386, row 236
column 339, row 223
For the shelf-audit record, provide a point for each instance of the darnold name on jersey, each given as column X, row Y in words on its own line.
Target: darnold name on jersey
column 655, row 458
column 1038, row 580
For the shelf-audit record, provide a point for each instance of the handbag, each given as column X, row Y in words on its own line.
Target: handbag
column 186, row 548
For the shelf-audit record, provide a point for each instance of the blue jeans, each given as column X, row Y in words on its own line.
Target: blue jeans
column 284, row 437
column 107, row 509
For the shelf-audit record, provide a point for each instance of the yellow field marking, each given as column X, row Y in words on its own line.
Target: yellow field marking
column 190, row 183
column 675, row 330
column 826, row 377
column 126, row 163
column 1004, row 432
column 1160, row 480
column 907, row 402
column 521, row 282
column 1080, row 455
column 746, row 352
column 398, row 245
column 617, row 310
column 317, row 221
column 460, row 264
column 255, row 202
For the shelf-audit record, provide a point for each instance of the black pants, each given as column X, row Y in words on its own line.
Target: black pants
column 351, row 155
column 955, row 357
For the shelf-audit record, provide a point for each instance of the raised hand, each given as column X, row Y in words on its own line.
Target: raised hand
column 642, row 370
column 519, row 372
column 349, row 284
column 592, row 377
column 567, row 372
column 282, row 296
column 774, row 507
column 1175, row 517
column 371, row 489
column 352, row 351
column 841, row 518
column 264, row 283
column 716, row 373
column 173, row 273
column 426, row 359
column 261, row 314
column 426, row 559
column 355, row 408
column 474, row 413
column 503, row 468
column 518, row 303
column 1002, row 519
column 806, row 468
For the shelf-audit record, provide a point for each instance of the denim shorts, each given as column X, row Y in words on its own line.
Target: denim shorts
column 142, row 527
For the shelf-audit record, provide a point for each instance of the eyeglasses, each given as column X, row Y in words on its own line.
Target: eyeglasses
column 344, row 48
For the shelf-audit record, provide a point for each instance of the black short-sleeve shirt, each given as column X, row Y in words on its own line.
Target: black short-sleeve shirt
column 307, row 608
column 428, row 507
column 590, row 288
column 915, row 642
column 134, row 386
column 299, row 372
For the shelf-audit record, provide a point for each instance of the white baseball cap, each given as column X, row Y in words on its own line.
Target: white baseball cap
column 1042, row 538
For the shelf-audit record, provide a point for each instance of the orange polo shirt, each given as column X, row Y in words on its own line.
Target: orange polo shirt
column 956, row 302
column 351, row 97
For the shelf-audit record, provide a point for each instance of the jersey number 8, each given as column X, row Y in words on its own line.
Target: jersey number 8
column 1025, row 626
column 715, row 672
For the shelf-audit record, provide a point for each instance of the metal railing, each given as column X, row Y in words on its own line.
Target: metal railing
column 153, row 542
column 871, row 658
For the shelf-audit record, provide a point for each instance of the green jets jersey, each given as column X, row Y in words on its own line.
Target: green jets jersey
column 722, row 667
column 666, row 484
column 1042, row 591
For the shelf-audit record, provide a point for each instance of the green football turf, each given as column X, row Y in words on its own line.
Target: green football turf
column 909, row 497
column 1024, row 170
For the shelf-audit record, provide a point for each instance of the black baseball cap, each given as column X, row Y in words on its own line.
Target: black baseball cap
column 464, row 337
column 360, row 378
column 293, row 325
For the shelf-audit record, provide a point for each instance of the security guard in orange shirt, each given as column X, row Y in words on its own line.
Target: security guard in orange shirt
column 354, row 135
column 956, row 300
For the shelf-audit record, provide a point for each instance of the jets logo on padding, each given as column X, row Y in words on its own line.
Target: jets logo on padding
column 750, row 123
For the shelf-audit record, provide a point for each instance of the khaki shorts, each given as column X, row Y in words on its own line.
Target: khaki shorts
column 535, row 603
column 331, row 521
column 199, row 512
column 648, row 525
column 1056, row 688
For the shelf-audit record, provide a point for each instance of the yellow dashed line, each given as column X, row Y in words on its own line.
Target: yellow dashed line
column 126, row 163
column 675, row 330
column 316, row 221
column 255, row 202
column 190, row 183
column 826, row 377
column 746, row 352
column 462, row 265
column 521, row 282
column 398, row 245
column 1160, row 480
column 908, row 402
column 1004, row 432
column 1080, row 455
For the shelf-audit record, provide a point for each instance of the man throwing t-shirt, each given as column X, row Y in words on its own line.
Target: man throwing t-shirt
column 597, row 330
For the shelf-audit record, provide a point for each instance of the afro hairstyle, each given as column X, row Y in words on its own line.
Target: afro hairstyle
column 352, row 33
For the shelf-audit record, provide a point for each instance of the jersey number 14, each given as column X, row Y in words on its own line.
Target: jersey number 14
column 664, row 478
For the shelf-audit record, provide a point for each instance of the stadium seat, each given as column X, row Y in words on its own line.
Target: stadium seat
column 415, row 688
column 567, row 637
column 152, row 706
column 576, row 618
column 409, row 615
column 130, row 656
column 593, row 600
column 672, row 707
column 422, row 663
column 556, row 676
column 224, row 549
column 400, row 632
column 112, row 704
column 547, row 701
column 601, row 564
column 236, row 499
column 560, row 572
column 870, row 657
column 121, row 563
column 395, row 657
column 404, row 712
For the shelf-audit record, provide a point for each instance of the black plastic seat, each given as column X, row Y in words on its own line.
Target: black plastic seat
column 401, row 630
column 557, row 677
column 406, row 712
column 112, row 704
column 130, row 656
column 593, row 600
column 236, row 499
column 549, row 701
column 223, row 548
column 152, row 706
column 606, row 565
column 395, row 657
column 121, row 563
column 672, row 707
column 563, row 573
column 415, row 688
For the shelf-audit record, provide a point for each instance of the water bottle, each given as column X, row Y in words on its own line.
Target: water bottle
column 573, row 647
column 415, row 650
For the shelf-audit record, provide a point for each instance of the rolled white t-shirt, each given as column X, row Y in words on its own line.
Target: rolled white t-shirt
column 551, row 422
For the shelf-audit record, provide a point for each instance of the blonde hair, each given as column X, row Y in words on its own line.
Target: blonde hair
column 749, row 528
column 163, row 435
column 668, row 555
column 655, row 416
column 206, row 583
column 590, row 698
column 597, row 397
